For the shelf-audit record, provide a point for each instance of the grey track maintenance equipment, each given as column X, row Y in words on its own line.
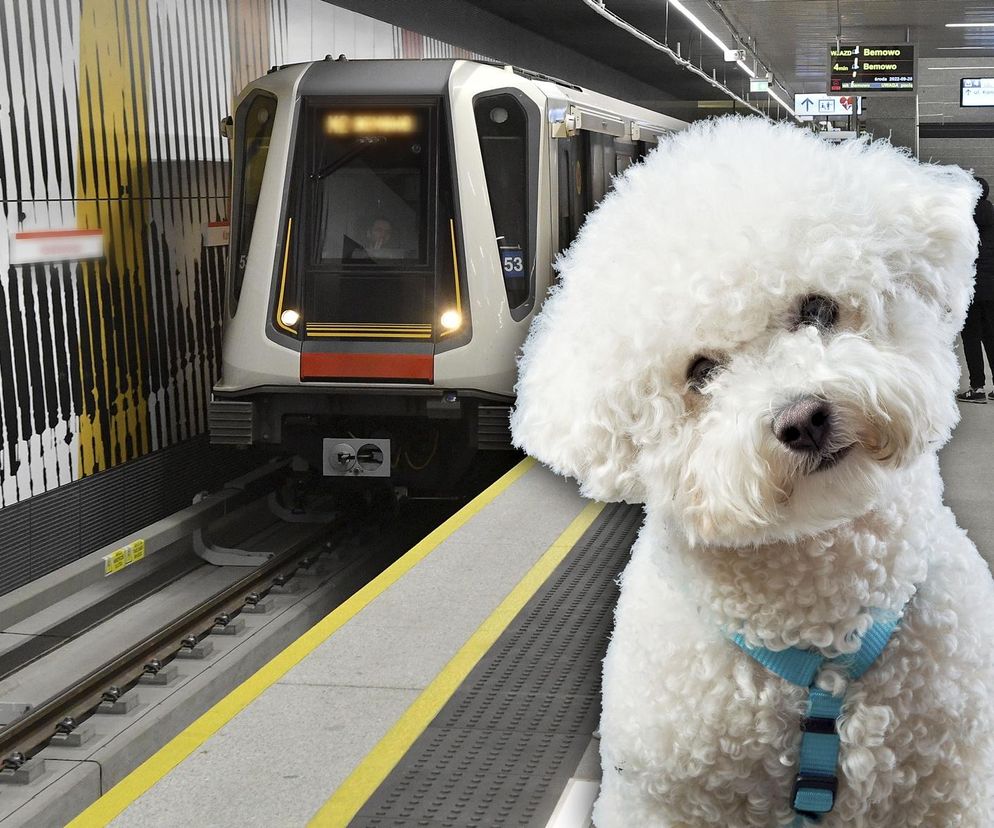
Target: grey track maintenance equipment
column 504, row 746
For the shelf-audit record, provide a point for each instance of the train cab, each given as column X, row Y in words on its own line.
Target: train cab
column 393, row 231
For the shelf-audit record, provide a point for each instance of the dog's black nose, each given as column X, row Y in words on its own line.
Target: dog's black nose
column 804, row 425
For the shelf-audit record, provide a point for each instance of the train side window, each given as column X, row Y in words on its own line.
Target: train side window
column 502, row 126
column 253, row 130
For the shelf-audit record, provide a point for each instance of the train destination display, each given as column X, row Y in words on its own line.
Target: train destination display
column 870, row 69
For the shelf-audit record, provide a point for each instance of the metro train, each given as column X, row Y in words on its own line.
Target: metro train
column 393, row 229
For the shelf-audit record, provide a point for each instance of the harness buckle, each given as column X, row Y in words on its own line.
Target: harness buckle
column 809, row 794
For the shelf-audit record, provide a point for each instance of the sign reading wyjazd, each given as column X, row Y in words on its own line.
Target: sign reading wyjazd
column 869, row 69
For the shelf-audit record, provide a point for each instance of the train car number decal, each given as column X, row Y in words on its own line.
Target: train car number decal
column 513, row 260
column 125, row 556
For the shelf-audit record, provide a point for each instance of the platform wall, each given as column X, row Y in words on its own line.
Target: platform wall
column 108, row 121
column 949, row 133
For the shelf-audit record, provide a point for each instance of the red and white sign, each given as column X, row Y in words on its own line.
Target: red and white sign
column 36, row 246
column 217, row 234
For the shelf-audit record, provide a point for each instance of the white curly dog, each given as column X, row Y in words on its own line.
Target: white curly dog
column 753, row 336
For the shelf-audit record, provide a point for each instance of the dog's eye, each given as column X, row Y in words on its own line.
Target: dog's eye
column 700, row 371
column 818, row 310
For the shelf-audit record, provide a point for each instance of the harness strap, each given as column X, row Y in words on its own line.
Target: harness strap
column 796, row 666
column 816, row 785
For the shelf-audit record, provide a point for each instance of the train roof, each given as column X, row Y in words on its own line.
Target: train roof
column 431, row 75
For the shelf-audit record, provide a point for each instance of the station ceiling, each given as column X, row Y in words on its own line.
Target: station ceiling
column 794, row 34
column 791, row 37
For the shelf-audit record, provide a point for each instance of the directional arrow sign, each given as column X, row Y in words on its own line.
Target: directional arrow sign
column 831, row 106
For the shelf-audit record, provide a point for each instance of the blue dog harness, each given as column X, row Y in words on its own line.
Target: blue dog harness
column 817, row 783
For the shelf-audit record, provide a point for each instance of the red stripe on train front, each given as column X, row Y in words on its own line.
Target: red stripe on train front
column 319, row 366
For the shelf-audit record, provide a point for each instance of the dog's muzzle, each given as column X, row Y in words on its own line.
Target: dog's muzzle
column 807, row 427
column 804, row 426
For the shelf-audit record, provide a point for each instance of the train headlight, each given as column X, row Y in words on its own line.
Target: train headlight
column 451, row 320
column 289, row 317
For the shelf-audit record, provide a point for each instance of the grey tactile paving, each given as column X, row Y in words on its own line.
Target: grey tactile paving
column 503, row 778
column 503, row 747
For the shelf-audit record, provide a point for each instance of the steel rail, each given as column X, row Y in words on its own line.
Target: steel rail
column 30, row 733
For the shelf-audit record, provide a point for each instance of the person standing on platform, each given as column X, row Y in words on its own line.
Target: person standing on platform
column 978, row 332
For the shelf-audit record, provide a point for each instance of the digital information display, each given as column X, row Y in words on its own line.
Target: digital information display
column 976, row 92
column 869, row 69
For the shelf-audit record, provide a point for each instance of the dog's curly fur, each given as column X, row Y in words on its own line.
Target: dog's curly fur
column 708, row 248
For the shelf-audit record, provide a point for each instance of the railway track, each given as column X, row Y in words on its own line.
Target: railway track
column 105, row 685
column 166, row 641
column 283, row 544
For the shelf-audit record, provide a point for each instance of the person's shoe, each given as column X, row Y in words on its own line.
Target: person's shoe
column 975, row 395
column 991, row 396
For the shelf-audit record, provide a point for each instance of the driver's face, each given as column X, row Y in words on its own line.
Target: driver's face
column 379, row 232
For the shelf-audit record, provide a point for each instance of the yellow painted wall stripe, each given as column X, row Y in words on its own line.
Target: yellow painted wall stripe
column 142, row 778
column 114, row 45
column 345, row 803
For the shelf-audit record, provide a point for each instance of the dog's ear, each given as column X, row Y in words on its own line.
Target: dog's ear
column 938, row 239
column 575, row 410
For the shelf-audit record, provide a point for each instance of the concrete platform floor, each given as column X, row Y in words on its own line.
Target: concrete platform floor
column 967, row 464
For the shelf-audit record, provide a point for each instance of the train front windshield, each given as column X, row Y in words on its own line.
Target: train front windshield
column 370, row 187
column 369, row 209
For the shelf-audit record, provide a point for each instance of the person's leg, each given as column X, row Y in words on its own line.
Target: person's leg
column 971, row 335
column 987, row 331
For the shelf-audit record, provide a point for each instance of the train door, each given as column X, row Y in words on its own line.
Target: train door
column 574, row 185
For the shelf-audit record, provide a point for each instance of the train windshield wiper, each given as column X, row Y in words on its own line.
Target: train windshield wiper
column 363, row 145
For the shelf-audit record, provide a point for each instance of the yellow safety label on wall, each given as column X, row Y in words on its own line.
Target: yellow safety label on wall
column 125, row 556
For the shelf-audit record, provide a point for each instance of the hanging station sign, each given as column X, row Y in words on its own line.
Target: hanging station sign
column 871, row 69
column 814, row 105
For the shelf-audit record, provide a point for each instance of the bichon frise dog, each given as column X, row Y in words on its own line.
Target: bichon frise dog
column 753, row 337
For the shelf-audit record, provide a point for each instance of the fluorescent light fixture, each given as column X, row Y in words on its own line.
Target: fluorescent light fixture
column 697, row 22
column 969, row 25
column 745, row 69
column 782, row 103
column 717, row 41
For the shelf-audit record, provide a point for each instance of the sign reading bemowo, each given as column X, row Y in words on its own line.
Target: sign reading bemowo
column 871, row 69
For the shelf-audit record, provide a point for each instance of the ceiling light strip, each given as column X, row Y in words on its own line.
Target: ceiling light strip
column 599, row 7
column 964, row 25
column 782, row 102
column 717, row 41
column 693, row 18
